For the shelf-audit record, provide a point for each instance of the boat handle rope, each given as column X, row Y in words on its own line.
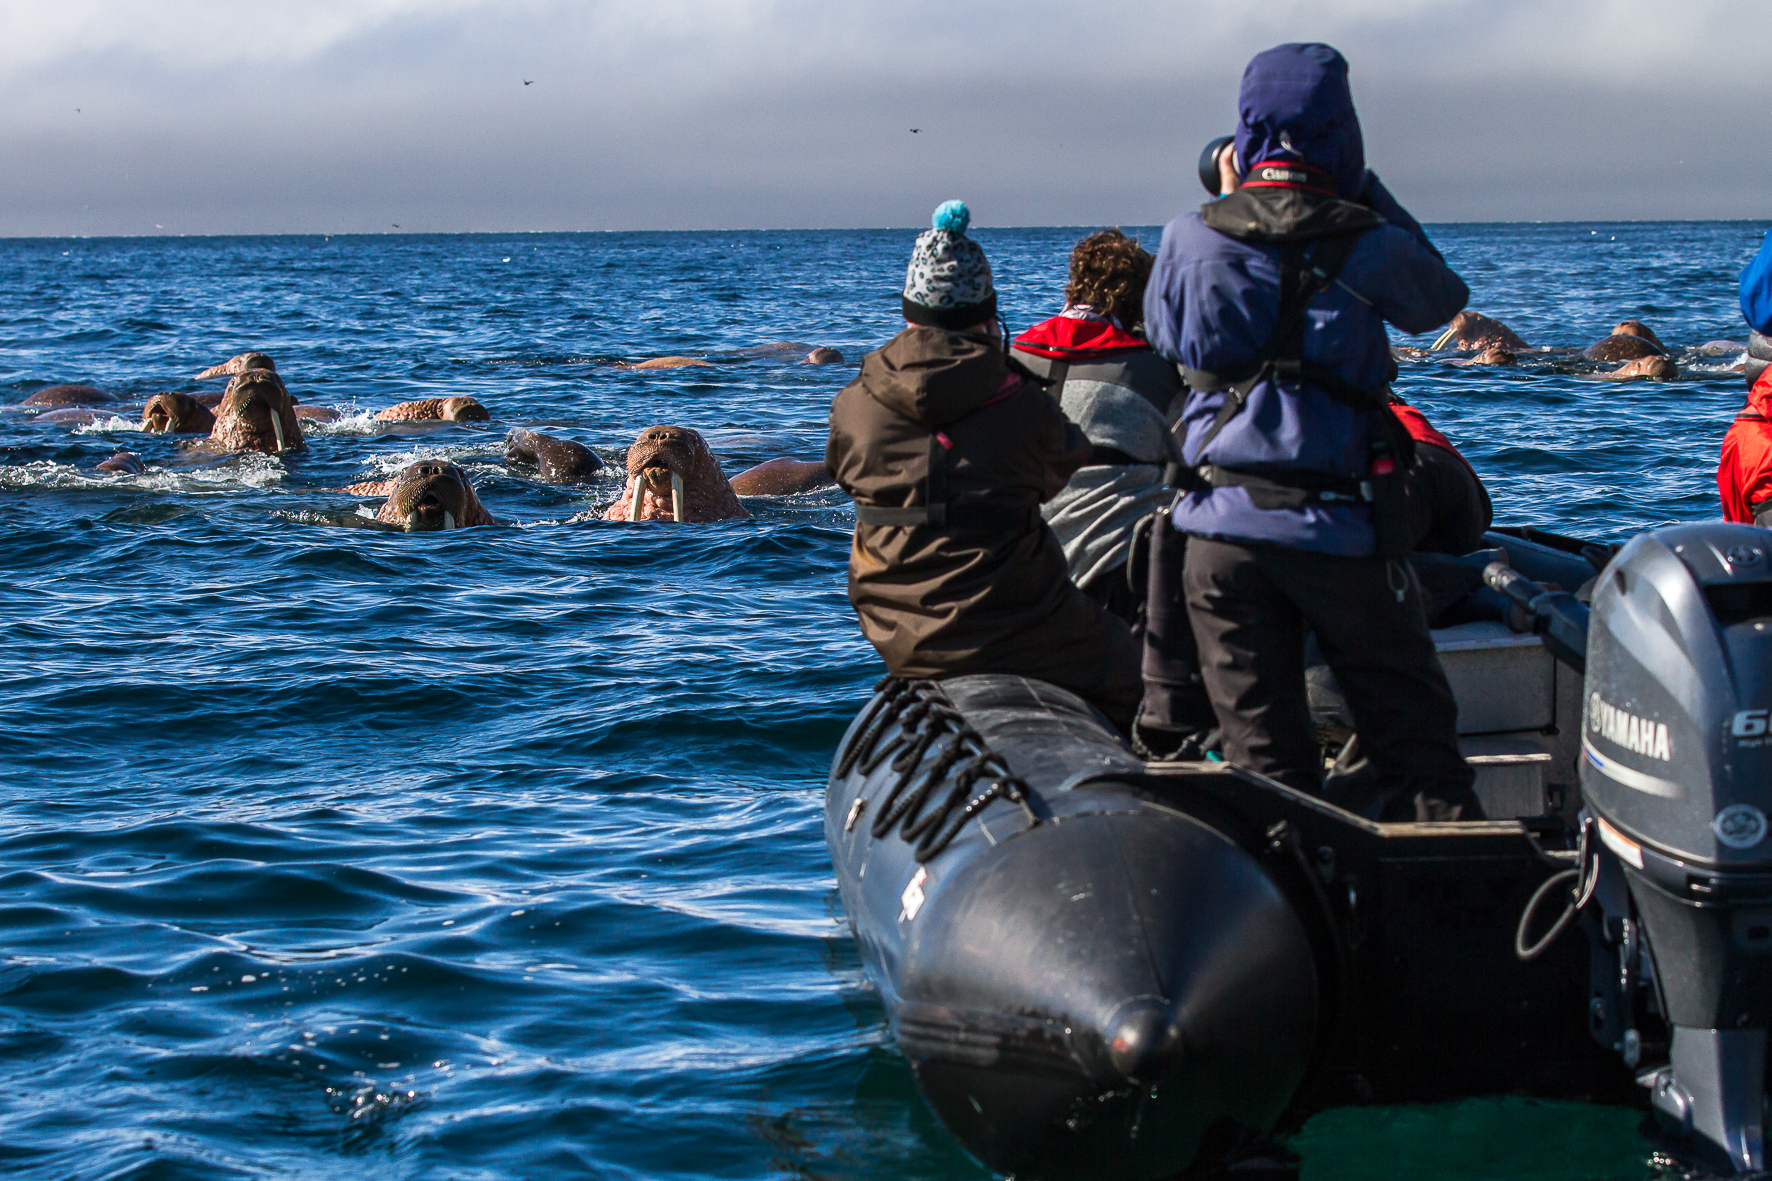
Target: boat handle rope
column 1586, row 882
column 925, row 716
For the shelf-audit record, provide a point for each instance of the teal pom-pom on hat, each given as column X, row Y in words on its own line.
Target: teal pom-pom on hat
column 952, row 216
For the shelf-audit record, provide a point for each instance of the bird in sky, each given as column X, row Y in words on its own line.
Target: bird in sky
column 914, row 130
column 396, row 225
column 529, row 82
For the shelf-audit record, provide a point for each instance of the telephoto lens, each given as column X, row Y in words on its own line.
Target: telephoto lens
column 1209, row 162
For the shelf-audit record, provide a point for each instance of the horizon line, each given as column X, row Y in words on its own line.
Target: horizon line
column 811, row 230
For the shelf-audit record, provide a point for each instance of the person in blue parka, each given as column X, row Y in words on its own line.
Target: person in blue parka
column 1273, row 301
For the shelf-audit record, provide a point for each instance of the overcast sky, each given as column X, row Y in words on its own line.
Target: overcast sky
column 221, row 116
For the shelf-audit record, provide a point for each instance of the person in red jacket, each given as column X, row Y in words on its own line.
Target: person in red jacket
column 1744, row 475
column 1449, row 509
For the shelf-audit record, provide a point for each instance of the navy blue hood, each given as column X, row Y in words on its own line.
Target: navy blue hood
column 1295, row 105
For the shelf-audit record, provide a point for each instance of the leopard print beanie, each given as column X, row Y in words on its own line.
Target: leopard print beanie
column 948, row 284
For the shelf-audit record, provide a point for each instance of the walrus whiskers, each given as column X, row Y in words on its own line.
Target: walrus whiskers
column 676, row 498
column 634, row 508
column 1441, row 343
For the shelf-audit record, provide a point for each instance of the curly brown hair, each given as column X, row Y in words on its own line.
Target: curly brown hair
column 1108, row 272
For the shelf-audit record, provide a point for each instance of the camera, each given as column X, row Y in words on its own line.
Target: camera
column 1209, row 162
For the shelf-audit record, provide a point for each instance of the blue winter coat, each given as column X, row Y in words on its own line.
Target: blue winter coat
column 1213, row 300
column 1756, row 290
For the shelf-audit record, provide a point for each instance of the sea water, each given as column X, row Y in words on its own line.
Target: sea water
column 328, row 852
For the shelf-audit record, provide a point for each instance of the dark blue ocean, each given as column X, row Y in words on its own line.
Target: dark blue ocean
column 326, row 852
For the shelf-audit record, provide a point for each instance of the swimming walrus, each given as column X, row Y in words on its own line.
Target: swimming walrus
column 672, row 476
column 782, row 477
column 70, row 395
column 177, row 414
column 1630, row 340
column 1473, row 330
column 557, row 460
column 665, row 363
column 427, row 497
column 457, row 409
column 126, row 463
column 1659, row 368
column 257, row 414
column 239, row 364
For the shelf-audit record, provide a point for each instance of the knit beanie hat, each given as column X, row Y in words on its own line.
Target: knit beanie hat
column 948, row 284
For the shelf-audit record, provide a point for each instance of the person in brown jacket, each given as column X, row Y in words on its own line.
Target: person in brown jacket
column 949, row 448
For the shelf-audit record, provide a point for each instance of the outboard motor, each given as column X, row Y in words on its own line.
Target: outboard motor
column 1676, row 773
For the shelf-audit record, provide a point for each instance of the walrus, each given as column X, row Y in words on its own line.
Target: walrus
column 239, row 364
column 782, row 477
column 317, row 413
column 1630, row 340
column 427, row 497
column 177, row 414
column 824, row 356
column 1473, row 330
column 1660, row 368
column 457, row 409
column 257, row 414
column 672, row 476
column 70, row 395
column 124, row 462
column 74, row 415
column 666, row 363
column 557, row 460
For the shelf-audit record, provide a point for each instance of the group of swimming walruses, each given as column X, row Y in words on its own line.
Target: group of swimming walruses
column 671, row 474
column 1631, row 342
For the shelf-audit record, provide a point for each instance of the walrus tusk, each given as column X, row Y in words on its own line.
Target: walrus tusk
column 676, row 498
column 634, row 508
column 1441, row 343
column 277, row 425
column 412, row 521
column 448, row 520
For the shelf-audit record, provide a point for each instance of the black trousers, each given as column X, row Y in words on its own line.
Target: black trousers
column 1176, row 715
column 1251, row 606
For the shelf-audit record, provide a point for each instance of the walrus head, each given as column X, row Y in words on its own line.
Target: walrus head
column 464, row 409
column 1658, row 368
column 824, row 356
column 1473, row 330
column 257, row 414
column 672, row 476
column 239, row 364
column 176, row 414
column 433, row 495
column 1638, row 328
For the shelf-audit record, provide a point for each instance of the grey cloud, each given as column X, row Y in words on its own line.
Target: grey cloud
column 801, row 117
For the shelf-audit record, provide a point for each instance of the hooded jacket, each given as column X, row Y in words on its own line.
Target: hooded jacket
column 1744, row 474
column 1756, row 289
column 1213, row 301
column 1113, row 386
column 988, row 590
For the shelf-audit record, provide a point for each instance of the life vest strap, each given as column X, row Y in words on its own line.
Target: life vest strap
column 1288, row 489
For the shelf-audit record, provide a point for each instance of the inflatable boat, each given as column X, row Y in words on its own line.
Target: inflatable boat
column 1098, row 967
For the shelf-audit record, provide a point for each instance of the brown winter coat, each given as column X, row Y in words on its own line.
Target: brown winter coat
column 988, row 591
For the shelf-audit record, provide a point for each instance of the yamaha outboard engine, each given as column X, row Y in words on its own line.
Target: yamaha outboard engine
column 1677, row 777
